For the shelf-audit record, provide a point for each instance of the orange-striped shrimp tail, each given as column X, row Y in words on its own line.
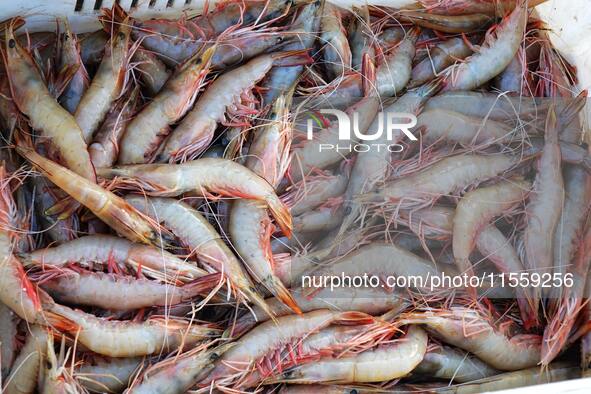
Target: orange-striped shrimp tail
column 61, row 323
column 353, row 318
column 278, row 289
column 281, row 214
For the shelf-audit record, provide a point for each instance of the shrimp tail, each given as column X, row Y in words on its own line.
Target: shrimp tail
column 278, row 289
column 111, row 16
column 203, row 284
column 281, row 214
column 299, row 57
column 368, row 71
column 353, row 318
column 572, row 109
column 60, row 323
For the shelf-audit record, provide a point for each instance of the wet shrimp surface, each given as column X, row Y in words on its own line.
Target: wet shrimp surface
column 275, row 196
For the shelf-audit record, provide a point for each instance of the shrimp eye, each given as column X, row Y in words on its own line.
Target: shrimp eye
column 121, row 35
column 353, row 391
column 348, row 210
column 11, row 43
column 315, row 260
column 214, row 356
column 253, row 289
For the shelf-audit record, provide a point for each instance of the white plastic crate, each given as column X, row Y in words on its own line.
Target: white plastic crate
column 569, row 20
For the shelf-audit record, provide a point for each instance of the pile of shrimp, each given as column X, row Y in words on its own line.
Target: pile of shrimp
column 166, row 210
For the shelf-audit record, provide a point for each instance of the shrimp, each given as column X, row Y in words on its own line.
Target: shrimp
column 494, row 246
column 360, row 300
column 269, row 337
column 494, row 54
column 101, row 374
column 108, row 207
column 445, row 23
column 107, row 84
column 440, row 57
column 336, row 52
column 195, row 132
column 314, row 191
column 147, row 128
column 545, row 204
column 203, row 176
column 442, row 178
column 453, row 365
column 45, row 114
column 178, row 374
column 471, row 331
column 117, row 338
column 438, row 124
column 527, row 377
column 476, row 209
column 8, row 323
column 104, row 148
column 394, row 72
column 108, row 249
column 118, row 292
column 23, row 377
column 69, row 56
column 383, row 363
column 200, row 238
column 250, row 227
column 310, row 157
column 152, row 70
